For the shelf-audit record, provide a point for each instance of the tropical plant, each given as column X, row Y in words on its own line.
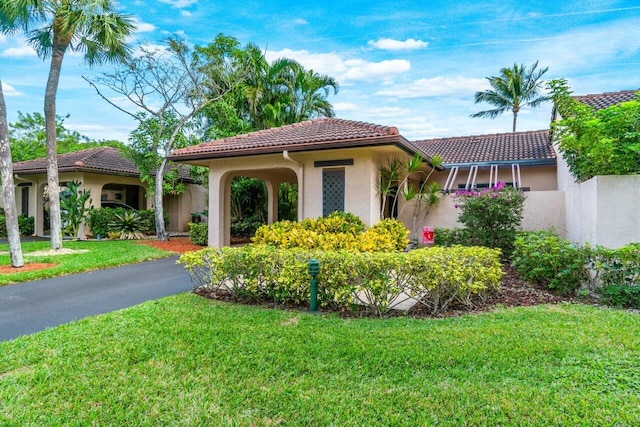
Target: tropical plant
column 8, row 188
column 515, row 88
column 602, row 142
column 54, row 27
column 491, row 216
column 127, row 225
column 75, row 204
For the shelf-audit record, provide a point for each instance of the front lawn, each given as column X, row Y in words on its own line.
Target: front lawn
column 185, row 360
column 95, row 255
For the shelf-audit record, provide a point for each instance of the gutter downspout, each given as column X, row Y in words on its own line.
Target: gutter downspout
column 286, row 156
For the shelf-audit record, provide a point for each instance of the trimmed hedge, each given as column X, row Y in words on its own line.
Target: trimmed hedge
column 337, row 231
column 100, row 220
column 199, row 233
column 434, row 277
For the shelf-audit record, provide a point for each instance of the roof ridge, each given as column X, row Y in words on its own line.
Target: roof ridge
column 487, row 135
column 591, row 95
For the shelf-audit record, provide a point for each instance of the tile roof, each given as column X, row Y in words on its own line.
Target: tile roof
column 314, row 134
column 105, row 160
column 607, row 99
column 101, row 159
column 532, row 146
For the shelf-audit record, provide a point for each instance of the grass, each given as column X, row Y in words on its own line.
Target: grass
column 102, row 254
column 184, row 360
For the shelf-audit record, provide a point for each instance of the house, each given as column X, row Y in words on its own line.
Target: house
column 111, row 179
column 333, row 162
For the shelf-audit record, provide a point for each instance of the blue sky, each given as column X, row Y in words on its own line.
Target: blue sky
column 410, row 64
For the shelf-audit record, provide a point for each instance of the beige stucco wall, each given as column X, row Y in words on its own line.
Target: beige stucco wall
column 542, row 210
column 536, row 178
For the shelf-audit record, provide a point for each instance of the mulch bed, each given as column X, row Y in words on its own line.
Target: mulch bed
column 513, row 293
column 174, row 244
column 28, row 266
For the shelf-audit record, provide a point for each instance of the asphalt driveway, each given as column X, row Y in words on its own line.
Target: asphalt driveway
column 30, row 307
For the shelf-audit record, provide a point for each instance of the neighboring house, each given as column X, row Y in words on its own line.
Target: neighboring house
column 111, row 178
column 333, row 162
column 523, row 159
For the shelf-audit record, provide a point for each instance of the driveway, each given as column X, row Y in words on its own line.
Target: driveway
column 31, row 307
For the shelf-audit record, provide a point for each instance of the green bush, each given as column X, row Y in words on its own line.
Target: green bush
column 621, row 296
column 127, row 225
column 450, row 237
column 433, row 277
column 337, row 231
column 492, row 216
column 617, row 275
column 99, row 220
column 199, row 233
column 545, row 258
column 245, row 227
column 26, row 225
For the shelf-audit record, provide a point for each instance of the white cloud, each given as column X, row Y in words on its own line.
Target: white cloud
column 3, row 38
column 345, row 70
column 185, row 13
column 180, row 4
column 437, row 86
column 143, row 27
column 300, row 21
column 19, row 51
column 391, row 44
column 345, row 106
column 9, row 90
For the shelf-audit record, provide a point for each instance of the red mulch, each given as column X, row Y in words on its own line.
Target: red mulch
column 29, row 266
column 174, row 244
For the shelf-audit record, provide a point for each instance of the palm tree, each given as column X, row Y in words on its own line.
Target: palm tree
column 54, row 27
column 515, row 88
column 8, row 189
column 310, row 94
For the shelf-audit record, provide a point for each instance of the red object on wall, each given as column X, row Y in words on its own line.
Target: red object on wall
column 427, row 235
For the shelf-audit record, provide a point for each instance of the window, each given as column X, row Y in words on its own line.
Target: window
column 332, row 191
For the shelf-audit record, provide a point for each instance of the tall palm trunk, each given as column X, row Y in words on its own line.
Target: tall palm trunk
column 8, row 189
column 161, row 231
column 53, row 188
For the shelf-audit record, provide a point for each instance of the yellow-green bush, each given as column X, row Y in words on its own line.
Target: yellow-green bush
column 435, row 277
column 338, row 231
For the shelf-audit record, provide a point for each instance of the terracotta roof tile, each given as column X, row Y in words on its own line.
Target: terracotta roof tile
column 607, row 99
column 503, row 147
column 106, row 160
column 312, row 134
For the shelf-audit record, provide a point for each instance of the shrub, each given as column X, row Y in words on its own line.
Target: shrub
column 434, row 277
column 337, row 231
column 617, row 275
column 199, row 233
column 128, row 225
column 450, row 237
column 245, row 227
column 26, row 225
column 491, row 216
column 545, row 258
column 99, row 220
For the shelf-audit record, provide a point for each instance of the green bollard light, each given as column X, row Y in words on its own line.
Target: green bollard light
column 314, row 269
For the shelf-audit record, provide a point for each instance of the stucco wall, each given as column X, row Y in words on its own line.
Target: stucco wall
column 536, row 178
column 542, row 210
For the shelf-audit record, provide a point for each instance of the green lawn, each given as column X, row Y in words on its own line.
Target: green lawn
column 185, row 360
column 100, row 254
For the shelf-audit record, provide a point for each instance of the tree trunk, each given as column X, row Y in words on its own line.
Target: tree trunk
column 161, row 231
column 53, row 189
column 8, row 189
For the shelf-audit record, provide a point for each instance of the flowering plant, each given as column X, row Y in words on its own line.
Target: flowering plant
column 491, row 216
